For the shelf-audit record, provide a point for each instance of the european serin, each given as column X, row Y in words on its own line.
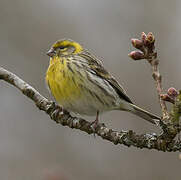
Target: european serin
column 80, row 83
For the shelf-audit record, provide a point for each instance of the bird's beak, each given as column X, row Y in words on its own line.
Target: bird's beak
column 51, row 52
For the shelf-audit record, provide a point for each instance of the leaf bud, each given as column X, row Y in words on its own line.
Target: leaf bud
column 137, row 44
column 136, row 55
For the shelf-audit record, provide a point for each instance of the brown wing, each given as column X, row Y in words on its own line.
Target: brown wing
column 97, row 67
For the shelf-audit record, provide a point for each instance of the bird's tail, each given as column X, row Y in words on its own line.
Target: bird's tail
column 143, row 114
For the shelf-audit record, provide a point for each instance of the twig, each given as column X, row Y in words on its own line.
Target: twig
column 147, row 51
column 127, row 138
column 157, row 77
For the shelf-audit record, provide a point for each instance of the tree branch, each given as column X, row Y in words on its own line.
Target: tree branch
column 169, row 124
column 127, row 138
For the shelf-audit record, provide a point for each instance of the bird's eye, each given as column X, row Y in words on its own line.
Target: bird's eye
column 61, row 47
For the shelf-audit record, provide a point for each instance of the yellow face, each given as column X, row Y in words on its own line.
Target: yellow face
column 59, row 78
column 64, row 47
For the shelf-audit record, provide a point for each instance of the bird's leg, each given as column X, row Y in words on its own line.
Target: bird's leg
column 95, row 123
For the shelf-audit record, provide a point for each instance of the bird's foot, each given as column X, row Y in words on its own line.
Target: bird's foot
column 95, row 123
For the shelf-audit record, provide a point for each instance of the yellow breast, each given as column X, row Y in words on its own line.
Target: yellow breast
column 62, row 81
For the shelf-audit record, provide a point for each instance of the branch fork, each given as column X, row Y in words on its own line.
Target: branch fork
column 146, row 50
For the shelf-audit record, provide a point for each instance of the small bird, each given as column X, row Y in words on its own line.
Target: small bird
column 80, row 83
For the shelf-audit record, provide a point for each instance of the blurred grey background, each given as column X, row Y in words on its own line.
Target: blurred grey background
column 32, row 147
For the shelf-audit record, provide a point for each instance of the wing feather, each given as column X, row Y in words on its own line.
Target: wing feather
column 96, row 66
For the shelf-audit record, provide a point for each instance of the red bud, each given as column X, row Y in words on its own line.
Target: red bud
column 150, row 38
column 137, row 43
column 136, row 55
column 143, row 37
column 172, row 92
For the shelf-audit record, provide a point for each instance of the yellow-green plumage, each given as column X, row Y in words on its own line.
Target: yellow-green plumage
column 60, row 81
column 71, row 87
column 79, row 82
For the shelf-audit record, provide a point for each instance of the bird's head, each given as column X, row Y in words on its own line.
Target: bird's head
column 64, row 47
